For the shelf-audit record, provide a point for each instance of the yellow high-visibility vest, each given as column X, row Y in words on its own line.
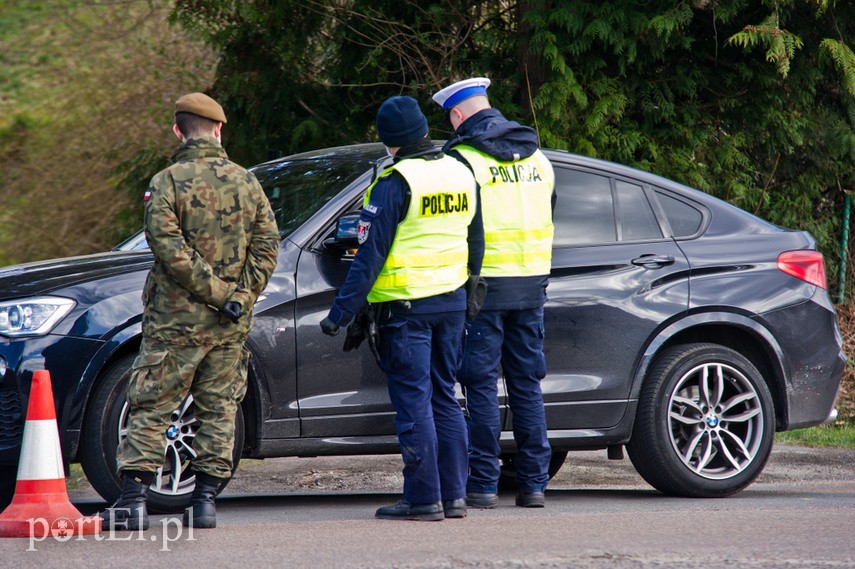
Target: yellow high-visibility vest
column 429, row 253
column 516, row 205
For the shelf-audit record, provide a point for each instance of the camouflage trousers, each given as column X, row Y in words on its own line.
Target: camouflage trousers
column 162, row 376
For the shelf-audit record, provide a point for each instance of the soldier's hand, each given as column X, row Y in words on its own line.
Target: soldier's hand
column 329, row 327
column 232, row 310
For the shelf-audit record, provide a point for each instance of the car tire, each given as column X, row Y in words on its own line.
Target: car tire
column 105, row 421
column 8, row 481
column 508, row 471
column 705, row 423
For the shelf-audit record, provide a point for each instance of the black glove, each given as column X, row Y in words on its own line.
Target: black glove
column 357, row 329
column 329, row 327
column 476, row 291
column 232, row 310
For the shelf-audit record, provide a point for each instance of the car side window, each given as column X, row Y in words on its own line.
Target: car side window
column 637, row 220
column 685, row 220
column 588, row 212
column 584, row 210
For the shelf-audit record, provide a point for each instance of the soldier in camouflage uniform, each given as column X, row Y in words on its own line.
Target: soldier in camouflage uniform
column 215, row 243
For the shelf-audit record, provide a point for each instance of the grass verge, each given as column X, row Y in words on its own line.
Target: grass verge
column 76, row 478
column 837, row 435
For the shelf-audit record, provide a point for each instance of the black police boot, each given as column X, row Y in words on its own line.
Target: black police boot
column 531, row 499
column 482, row 500
column 454, row 508
column 201, row 513
column 129, row 512
column 404, row 510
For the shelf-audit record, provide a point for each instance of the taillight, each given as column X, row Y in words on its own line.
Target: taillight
column 805, row 265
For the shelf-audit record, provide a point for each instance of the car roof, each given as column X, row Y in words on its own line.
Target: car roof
column 370, row 153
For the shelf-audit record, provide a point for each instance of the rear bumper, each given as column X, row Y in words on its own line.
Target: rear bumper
column 809, row 335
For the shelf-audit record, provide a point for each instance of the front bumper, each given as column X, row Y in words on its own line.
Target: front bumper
column 65, row 358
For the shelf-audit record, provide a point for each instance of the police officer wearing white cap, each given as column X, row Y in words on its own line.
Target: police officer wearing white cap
column 419, row 241
column 516, row 192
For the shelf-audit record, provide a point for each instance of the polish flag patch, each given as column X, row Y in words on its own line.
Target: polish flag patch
column 147, row 195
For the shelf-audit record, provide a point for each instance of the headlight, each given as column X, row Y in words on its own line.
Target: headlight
column 33, row 316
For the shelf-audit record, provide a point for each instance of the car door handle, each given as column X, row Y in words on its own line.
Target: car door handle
column 653, row 261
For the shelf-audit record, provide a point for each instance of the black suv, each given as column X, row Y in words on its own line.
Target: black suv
column 678, row 326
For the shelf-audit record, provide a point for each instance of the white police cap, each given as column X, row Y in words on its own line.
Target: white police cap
column 455, row 94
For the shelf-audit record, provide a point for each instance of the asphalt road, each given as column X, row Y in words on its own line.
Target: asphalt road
column 316, row 513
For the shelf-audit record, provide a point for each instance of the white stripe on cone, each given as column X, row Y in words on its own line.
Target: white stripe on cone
column 42, row 459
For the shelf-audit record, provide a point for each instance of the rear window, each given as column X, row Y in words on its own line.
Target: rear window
column 685, row 220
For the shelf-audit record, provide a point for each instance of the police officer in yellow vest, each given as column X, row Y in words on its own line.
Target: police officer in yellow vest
column 516, row 188
column 419, row 241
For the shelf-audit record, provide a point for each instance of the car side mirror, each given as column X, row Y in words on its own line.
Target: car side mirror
column 346, row 229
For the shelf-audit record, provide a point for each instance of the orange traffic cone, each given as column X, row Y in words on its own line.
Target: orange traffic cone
column 41, row 500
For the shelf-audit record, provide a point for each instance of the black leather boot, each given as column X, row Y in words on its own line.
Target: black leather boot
column 531, row 499
column 404, row 510
column 201, row 513
column 454, row 508
column 129, row 512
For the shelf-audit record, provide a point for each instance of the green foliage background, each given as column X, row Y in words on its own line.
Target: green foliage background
column 84, row 87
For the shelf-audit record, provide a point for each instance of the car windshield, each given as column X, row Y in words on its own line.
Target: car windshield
column 298, row 188
column 135, row 242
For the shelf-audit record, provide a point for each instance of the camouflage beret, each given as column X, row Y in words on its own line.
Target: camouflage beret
column 202, row 105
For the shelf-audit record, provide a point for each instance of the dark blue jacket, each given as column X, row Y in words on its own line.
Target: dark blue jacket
column 390, row 200
column 490, row 132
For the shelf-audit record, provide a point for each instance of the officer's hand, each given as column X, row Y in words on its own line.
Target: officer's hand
column 476, row 292
column 329, row 327
column 232, row 310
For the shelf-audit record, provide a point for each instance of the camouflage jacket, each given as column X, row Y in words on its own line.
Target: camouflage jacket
column 214, row 239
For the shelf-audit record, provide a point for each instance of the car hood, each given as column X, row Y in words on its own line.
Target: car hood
column 43, row 277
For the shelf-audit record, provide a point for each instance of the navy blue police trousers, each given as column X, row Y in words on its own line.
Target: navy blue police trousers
column 420, row 354
column 514, row 339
